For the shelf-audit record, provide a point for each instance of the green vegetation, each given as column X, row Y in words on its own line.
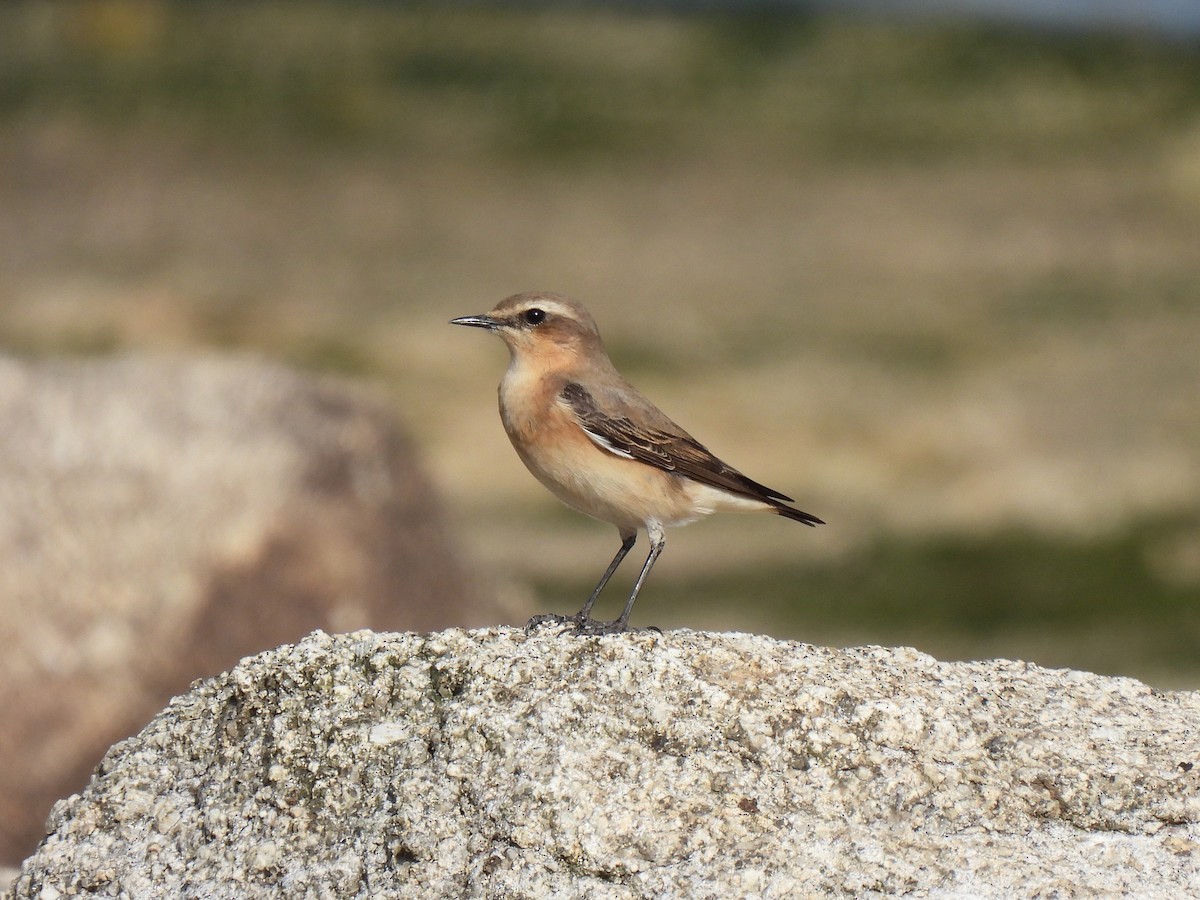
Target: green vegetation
column 556, row 84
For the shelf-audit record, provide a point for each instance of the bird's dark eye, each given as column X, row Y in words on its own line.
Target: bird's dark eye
column 534, row 316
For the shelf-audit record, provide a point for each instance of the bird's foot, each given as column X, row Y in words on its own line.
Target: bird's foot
column 597, row 627
column 585, row 625
column 594, row 627
column 552, row 619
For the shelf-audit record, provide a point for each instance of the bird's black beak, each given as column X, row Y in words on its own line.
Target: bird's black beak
column 476, row 321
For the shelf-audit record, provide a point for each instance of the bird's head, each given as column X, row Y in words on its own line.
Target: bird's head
column 541, row 326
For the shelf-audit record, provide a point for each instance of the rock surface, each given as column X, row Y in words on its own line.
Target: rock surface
column 161, row 518
column 495, row 764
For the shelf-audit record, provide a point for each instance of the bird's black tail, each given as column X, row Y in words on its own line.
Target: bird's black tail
column 789, row 512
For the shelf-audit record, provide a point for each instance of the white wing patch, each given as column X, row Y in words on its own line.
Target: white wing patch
column 604, row 444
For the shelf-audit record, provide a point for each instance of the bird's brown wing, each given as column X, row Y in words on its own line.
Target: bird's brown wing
column 664, row 446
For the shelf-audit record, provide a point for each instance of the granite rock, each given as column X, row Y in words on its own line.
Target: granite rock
column 497, row 764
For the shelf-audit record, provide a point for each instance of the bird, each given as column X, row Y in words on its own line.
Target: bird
column 600, row 446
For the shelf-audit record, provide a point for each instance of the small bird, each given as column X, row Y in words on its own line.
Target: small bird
column 600, row 446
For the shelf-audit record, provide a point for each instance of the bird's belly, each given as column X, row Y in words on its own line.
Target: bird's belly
column 627, row 493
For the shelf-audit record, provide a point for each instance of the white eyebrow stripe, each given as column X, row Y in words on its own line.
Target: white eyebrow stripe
column 553, row 307
column 604, row 444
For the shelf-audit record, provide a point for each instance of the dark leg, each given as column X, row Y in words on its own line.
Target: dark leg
column 627, row 542
column 621, row 623
column 584, row 615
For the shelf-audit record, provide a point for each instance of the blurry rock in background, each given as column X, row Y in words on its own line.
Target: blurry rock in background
column 160, row 519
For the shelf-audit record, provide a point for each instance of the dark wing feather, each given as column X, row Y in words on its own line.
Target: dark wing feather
column 671, row 451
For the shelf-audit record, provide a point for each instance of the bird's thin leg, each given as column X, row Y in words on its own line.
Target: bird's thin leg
column 621, row 623
column 627, row 542
column 626, row 545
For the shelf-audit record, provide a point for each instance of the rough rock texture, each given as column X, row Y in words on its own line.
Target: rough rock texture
column 492, row 764
column 160, row 519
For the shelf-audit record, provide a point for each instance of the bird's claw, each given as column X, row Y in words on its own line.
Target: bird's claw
column 593, row 627
column 596, row 627
column 550, row 619
column 584, row 625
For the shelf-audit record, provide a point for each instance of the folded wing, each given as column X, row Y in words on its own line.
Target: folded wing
column 663, row 445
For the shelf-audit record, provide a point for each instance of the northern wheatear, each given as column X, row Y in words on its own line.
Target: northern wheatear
column 599, row 445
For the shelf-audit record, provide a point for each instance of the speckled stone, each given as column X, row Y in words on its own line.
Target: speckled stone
column 494, row 764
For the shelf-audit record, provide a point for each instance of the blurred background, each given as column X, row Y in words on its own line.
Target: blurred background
column 936, row 275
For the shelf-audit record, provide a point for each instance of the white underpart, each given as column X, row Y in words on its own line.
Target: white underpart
column 604, row 444
column 709, row 499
